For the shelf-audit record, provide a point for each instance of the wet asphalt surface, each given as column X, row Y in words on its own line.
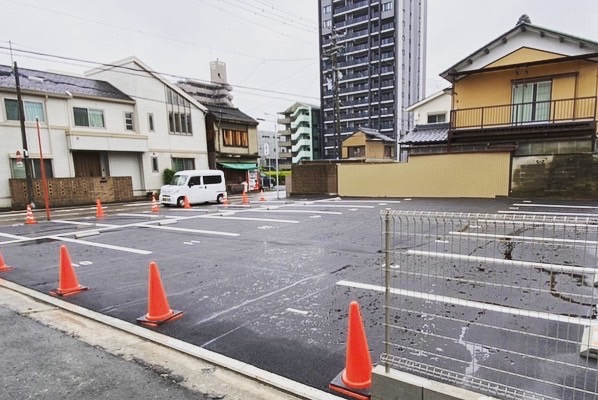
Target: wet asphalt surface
column 258, row 284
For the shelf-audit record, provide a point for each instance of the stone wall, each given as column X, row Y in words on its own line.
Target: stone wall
column 73, row 191
column 314, row 178
column 566, row 176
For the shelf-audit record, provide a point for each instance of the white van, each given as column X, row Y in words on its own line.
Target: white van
column 200, row 186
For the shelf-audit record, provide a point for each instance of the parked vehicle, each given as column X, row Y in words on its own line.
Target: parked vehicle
column 200, row 186
column 268, row 182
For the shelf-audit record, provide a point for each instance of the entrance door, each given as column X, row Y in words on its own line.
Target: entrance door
column 87, row 164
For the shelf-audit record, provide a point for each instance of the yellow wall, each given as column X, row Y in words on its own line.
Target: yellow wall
column 494, row 88
column 446, row 175
column 524, row 54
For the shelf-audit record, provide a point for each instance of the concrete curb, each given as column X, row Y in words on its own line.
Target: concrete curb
column 253, row 373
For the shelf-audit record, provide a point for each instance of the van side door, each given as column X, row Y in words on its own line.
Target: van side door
column 196, row 190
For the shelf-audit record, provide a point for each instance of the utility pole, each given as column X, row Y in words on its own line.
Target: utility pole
column 26, row 158
column 333, row 53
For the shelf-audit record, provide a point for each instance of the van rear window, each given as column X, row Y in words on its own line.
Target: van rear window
column 212, row 179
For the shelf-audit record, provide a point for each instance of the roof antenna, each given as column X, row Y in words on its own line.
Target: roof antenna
column 12, row 61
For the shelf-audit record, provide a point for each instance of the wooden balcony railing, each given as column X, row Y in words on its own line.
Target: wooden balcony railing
column 540, row 112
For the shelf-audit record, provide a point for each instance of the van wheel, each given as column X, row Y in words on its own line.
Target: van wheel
column 220, row 199
column 180, row 202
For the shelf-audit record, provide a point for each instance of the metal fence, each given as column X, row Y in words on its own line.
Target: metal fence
column 496, row 303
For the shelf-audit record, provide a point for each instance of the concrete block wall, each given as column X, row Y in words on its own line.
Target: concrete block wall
column 316, row 178
column 73, row 191
column 570, row 176
column 399, row 385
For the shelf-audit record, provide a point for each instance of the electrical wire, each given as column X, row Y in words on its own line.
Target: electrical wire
column 162, row 37
column 136, row 72
column 230, row 13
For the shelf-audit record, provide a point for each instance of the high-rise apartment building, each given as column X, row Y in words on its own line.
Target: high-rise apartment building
column 372, row 66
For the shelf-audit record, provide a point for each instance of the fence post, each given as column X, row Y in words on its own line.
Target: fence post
column 387, row 250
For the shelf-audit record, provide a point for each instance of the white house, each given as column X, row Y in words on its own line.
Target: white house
column 431, row 116
column 85, row 128
column 172, row 121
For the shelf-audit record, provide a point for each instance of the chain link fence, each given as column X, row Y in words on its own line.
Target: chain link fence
column 496, row 303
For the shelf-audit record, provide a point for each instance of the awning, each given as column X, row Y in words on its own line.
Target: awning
column 242, row 166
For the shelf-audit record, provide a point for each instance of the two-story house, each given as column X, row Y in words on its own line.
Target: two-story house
column 531, row 91
column 231, row 135
column 87, row 129
column 171, row 121
column 431, row 117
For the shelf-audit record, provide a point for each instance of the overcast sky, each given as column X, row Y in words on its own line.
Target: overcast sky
column 270, row 46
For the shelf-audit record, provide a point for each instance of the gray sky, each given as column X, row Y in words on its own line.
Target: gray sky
column 270, row 46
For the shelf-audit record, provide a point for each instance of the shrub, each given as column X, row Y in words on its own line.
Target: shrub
column 167, row 175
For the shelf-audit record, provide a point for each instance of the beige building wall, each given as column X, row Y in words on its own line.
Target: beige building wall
column 448, row 175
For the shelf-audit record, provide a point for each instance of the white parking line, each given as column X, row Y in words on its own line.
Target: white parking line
column 528, row 238
column 554, row 206
column 279, row 210
column 359, row 201
column 102, row 245
column 549, row 267
column 550, row 214
column 469, row 303
column 328, row 205
column 529, row 222
column 295, row 311
column 8, row 235
column 284, row 221
column 169, row 228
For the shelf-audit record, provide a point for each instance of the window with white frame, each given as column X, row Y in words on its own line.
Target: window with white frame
column 327, row 9
column 181, row 164
column 387, row 6
column 328, row 23
column 179, row 113
column 32, row 110
column 436, row 118
column 88, row 117
column 129, row 121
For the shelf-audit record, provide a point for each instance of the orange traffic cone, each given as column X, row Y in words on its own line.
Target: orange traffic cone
column 67, row 280
column 225, row 200
column 186, row 203
column 155, row 206
column 30, row 219
column 158, row 310
column 262, row 198
column 99, row 209
column 3, row 266
column 356, row 378
column 245, row 198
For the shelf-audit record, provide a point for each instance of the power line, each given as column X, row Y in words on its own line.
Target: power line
column 291, row 13
column 229, row 13
column 139, row 32
column 277, row 18
column 135, row 72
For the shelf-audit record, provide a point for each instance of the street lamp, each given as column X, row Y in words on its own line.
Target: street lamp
column 276, row 147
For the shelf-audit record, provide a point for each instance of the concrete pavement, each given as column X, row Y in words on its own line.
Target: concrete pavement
column 51, row 352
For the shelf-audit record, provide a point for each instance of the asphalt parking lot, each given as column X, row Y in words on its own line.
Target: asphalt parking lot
column 258, row 283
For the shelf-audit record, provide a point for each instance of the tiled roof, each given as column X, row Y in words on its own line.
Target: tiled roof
column 51, row 83
column 430, row 133
column 374, row 134
column 230, row 114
